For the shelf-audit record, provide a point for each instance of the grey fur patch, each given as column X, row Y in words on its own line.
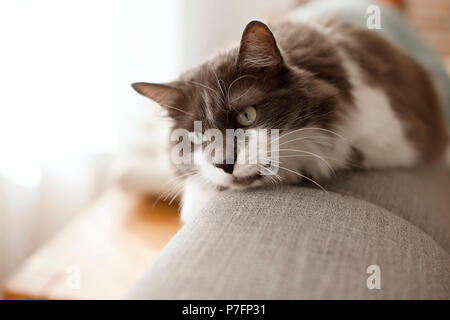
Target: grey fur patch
column 301, row 82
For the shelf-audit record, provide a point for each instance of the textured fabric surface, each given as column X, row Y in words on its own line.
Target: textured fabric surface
column 421, row 197
column 303, row 243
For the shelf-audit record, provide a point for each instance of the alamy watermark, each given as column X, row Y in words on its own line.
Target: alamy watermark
column 374, row 280
column 373, row 21
column 73, row 280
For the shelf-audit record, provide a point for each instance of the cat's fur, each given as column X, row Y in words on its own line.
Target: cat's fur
column 342, row 97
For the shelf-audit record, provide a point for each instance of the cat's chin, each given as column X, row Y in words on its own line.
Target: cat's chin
column 242, row 183
column 254, row 184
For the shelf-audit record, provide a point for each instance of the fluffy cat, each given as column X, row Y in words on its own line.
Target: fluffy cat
column 341, row 97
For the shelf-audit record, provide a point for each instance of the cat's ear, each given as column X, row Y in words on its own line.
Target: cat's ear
column 166, row 95
column 258, row 47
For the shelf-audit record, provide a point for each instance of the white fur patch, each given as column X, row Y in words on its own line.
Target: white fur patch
column 195, row 197
column 373, row 128
column 209, row 172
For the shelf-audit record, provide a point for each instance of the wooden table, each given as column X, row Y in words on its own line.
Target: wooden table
column 100, row 254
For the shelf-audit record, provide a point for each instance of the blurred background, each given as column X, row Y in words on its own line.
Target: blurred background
column 70, row 125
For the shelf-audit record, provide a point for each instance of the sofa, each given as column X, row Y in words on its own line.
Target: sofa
column 299, row 242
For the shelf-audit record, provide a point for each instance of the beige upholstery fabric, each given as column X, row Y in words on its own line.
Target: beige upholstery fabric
column 302, row 243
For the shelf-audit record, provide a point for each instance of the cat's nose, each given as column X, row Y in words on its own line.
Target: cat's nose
column 226, row 166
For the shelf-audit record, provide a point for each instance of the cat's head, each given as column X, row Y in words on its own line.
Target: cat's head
column 250, row 87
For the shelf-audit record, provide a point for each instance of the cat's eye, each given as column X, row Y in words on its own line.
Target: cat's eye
column 197, row 137
column 247, row 117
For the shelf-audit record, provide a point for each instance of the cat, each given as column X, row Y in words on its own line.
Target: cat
column 342, row 97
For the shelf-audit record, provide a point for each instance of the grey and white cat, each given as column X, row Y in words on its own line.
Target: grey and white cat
column 342, row 97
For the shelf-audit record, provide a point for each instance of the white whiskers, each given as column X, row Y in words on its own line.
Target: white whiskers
column 303, row 176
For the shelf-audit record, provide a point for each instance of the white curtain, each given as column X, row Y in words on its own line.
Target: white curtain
column 61, row 65
column 66, row 106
